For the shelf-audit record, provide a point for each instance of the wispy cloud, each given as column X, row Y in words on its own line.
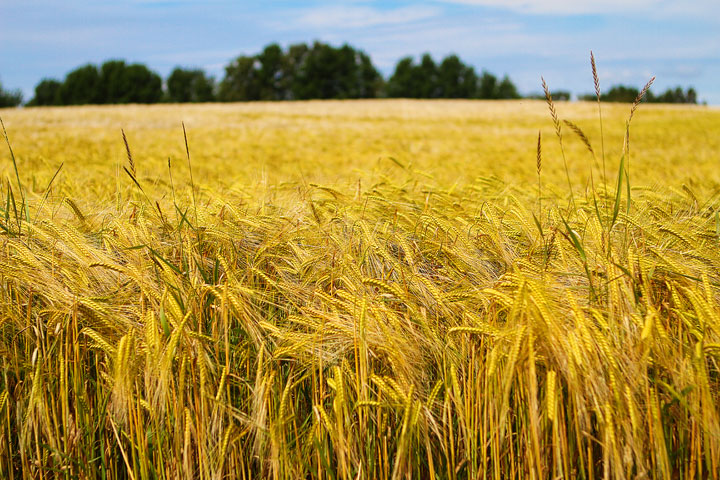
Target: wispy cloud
column 563, row 6
column 677, row 41
column 694, row 8
column 363, row 16
column 478, row 41
column 688, row 71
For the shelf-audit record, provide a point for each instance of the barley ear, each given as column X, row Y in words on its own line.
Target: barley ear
column 551, row 396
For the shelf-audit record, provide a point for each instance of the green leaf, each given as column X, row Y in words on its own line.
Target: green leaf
column 164, row 323
column 575, row 240
column 47, row 189
column 618, row 191
column 538, row 225
column 597, row 209
column 623, row 269
column 627, row 189
column 164, row 260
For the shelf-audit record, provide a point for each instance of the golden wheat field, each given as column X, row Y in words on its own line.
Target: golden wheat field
column 365, row 289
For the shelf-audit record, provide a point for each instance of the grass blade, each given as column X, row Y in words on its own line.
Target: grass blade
column 618, row 191
column 23, row 207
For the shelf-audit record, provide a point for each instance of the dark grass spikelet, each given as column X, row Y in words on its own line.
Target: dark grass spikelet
column 639, row 98
column 596, row 79
column 634, row 107
column 539, row 154
column 551, row 106
column 129, row 155
column 538, row 166
column 578, row 131
column 558, row 132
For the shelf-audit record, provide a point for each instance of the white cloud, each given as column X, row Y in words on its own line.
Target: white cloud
column 338, row 16
column 682, row 70
column 561, row 6
column 573, row 7
column 476, row 41
column 169, row 3
column 201, row 56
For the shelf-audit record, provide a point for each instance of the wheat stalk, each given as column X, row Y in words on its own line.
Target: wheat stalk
column 416, row 331
column 596, row 81
column 558, row 132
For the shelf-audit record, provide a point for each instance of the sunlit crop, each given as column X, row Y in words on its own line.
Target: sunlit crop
column 372, row 289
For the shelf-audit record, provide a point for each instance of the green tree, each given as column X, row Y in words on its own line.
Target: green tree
column 675, row 95
column 560, row 95
column 314, row 77
column 189, row 86
column 487, row 86
column 81, row 86
column 241, row 82
column 271, row 73
column 455, row 79
column 328, row 72
column 415, row 81
column 47, row 92
column 451, row 79
column 294, row 59
column 302, row 72
column 428, row 72
column 122, row 83
column 404, row 82
column 10, row 98
column 620, row 93
column 507, row 90
column 112, row 81
column 371, row 83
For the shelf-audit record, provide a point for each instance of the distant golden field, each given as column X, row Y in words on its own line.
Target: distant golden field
column 339, row 142
column 361, row 289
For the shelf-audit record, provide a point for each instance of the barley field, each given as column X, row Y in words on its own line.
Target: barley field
column 361, row 289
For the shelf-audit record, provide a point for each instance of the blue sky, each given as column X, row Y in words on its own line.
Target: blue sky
column 679, row 42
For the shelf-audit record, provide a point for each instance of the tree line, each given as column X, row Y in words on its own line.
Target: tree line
column 10, row 98
column 299, row 72
column 623, row 93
